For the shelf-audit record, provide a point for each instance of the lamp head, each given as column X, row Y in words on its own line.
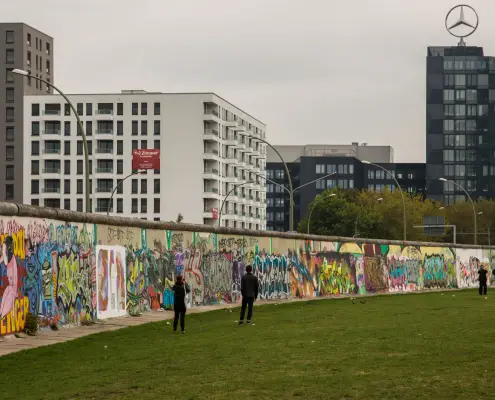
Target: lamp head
column 365, row 162
column 442, row 179
column 20, row 72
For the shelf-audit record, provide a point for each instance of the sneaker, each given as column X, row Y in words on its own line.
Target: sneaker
column 241, row 323
column 183, row 332
column 249, row 322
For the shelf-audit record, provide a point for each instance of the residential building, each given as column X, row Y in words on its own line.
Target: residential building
column 21, row 47
column 207, row 146
column 313, row 162
column 460, row 123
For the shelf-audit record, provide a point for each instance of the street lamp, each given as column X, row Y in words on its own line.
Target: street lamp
column 401, row 192
column 120, row 182
column 81, row 127
column 472, row 203
column 314, row 206
column 228, row 194
column 441, row 208
column 356, row 233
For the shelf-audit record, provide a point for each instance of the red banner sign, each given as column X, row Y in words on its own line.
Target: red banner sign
column 214, row 213
column 145, row 159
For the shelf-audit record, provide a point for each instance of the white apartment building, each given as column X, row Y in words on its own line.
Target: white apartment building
column 207, row 147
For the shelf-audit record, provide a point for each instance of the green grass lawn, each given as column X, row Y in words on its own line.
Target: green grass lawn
column 427, row 346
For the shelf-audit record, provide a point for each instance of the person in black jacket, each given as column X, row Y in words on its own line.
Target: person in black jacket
column 249, row 291
column 180, row 289
column 482, row 272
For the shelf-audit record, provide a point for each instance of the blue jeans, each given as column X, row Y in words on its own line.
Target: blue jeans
column 247, row 302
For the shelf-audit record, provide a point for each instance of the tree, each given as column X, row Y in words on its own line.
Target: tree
column 461, row 215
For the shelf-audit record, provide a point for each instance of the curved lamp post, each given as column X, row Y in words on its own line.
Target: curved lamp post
column 404, row 217
column 81, row 127
column 291, row 192
column 472, row 203
column 110, row 203
column 314, row 206
column 225, row 199
column 356, row 233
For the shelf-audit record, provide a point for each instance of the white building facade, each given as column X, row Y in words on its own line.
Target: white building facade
column 207, row 147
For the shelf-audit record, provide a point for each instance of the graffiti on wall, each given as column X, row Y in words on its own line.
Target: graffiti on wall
column 56, row 270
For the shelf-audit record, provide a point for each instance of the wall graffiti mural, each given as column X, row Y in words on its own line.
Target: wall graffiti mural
column 68, row 272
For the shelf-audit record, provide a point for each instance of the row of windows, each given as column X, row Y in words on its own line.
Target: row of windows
column 332, row 183
column 460, row 95
column 102, row 205
column 103, row 186
column 105, row 147
column 275, row 174
column 10, row 39
column 460, row 125
column 461, row 63
column 463, row 110
column 275, row 202
column 334, row 168
column 102, row 108
column 459, row 155
column 468, row 170
column 54, row 167
column 106, row 127
column 468, row 184
column 460, row 80
column 278, row 216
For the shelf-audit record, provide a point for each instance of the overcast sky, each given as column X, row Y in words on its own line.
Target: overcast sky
column 315, row 71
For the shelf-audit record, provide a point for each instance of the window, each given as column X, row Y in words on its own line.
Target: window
column 279, row 217
column 351, row 169
column 9, row 172
column 448, row 80
column 448, row 155
column 135, row 109
column 135, row 127
column 482, row 80
column 448, row 95
column 120, row 147
column 79, row 186
column 460, row 95
column 482, row 109
column 144, row 127
column 35, row 128
column 79, row 167
column 460, row 125
column 35, row 186
column 134, row 206
column 66, row 204
column 9, row 114
column 120, row 206
column 471, row 110
column 48, row 48
column 460, row 80
column 67, row 184
column 80, row 109
column 156, row 206
column 448, row 110
column 156, row 186
column 67, row 128
column 134, row 186
column 79, row 205
column 9, row 56
column 144, row 186
column 67, row 110
column 67, row 148
column 120, row 167
column 9, row 95
column 269, row 173
column 144, row 144
column 351, row 183
column 471, row 125
column 157, row 109
column 67, row 167
column 156, row 127
column 279, row 202
column 448, row 125
column 120, row 128
column 320, row 184
column 9, row 37
column 471, row 95
column 79, row 148
column 269, row 187
column 9, row 133
column 156, row 145
column 89, row 107
column 144, row 108
column 460, row 110
column 472, row 80
column 89, row 128
column 331, row 183
column 320, row 168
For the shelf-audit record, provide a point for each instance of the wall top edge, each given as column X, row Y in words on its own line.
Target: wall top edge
column 23, row 210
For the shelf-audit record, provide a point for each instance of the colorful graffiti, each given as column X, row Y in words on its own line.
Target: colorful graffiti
column 67, row 272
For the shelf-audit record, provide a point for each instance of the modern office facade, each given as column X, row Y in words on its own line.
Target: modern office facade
column 350, row 173
column 460, row 123
column 21, row 47
column 207, row 146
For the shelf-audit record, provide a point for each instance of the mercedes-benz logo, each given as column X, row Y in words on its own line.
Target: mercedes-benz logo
column 462, row 27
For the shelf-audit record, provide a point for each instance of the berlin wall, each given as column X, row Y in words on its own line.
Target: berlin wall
column 68, row 267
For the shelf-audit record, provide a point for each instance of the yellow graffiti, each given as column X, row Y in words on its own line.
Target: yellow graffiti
column 16, row 319
column 18, row 243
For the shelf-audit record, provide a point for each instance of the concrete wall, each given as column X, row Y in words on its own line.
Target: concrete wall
column 69, row 266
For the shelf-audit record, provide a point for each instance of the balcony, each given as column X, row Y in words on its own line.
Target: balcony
column 211, row 193
column 51, row 190
column 52, row 112
column 104, row 189
column 104, row 150
column 211, row 115
column 104, row 131
column 230, row 140
column 51, row 170
column 211, row 173
column 104, row 114
column 211, row 154
column 104, row 170
column 240, row 145
column 52, row 131
column 240, row 129
column 230, row 124
column 211, row 134
column 231, row 178
column 230, row 159
column 49, row 150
